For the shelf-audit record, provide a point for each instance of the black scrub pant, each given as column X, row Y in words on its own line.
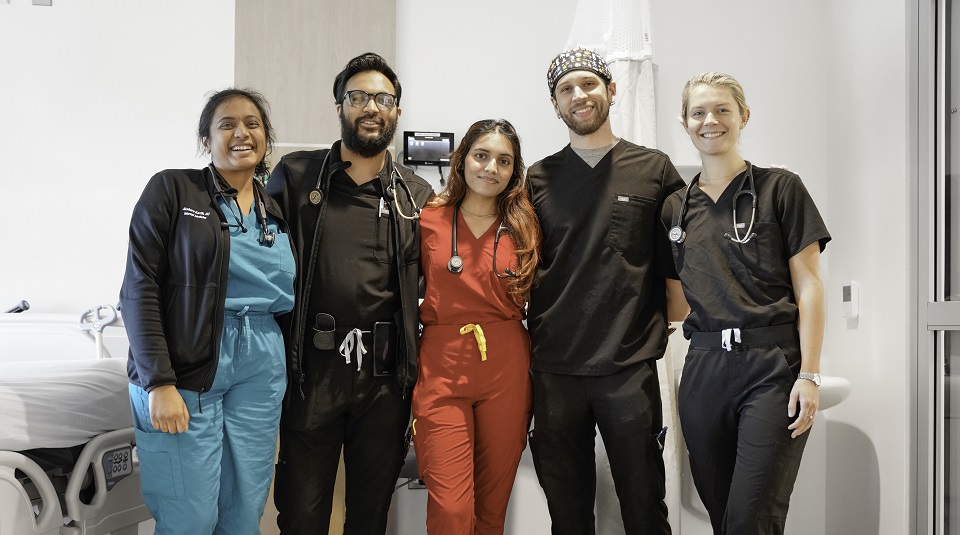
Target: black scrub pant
column 733, row 409
column 367, row 417
column 626, row 408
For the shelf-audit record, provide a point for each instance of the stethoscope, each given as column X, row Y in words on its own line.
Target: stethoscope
column 316, row 194
column 455, row 264
column 267, row 236
column 677, row 234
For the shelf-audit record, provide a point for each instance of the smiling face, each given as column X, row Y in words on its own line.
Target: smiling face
column 369, row 130
column 582, row 99
column 488, row 166
column 237, row 140
column 713, row 120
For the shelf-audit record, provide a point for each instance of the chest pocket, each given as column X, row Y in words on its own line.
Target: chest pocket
column 631, row 226
column 384, row 249
column 760, row 258
column 284, row 252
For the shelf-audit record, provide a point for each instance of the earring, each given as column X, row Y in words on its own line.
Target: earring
column 613, row 101
column 558, row 116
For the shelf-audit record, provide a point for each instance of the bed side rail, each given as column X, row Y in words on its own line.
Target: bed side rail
column 117, row 501
column 16, row 510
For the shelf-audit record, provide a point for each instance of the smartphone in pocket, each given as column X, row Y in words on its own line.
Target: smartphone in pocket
column 385, row 346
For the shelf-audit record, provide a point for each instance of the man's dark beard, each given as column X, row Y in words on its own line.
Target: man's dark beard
column 366, row 147
column 586, row 128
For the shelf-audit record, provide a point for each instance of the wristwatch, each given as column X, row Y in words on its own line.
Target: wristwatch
column 815, row 377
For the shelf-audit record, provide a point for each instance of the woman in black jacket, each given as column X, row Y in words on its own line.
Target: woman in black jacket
column 209, row 268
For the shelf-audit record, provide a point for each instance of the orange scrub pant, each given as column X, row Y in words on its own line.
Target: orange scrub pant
column 471, row 418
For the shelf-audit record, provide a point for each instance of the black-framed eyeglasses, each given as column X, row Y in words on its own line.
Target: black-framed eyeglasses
column 358, row 98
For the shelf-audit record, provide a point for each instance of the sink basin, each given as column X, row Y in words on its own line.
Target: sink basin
column 833, row 390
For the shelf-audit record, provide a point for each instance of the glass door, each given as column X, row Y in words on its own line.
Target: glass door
column 941, row 282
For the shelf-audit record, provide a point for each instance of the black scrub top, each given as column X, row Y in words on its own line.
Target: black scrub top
column 355, row 279
column 598, row 303
column 748, row 285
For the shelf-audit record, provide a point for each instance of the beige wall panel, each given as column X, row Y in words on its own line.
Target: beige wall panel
column 290, row 50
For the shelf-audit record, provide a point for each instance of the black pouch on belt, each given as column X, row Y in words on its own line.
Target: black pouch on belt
column 324, row 331
column 385, row 345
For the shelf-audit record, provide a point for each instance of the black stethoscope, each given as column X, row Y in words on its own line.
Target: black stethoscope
column 316, row 194
column 677, row 234
column 267, row 236
column 455, row 264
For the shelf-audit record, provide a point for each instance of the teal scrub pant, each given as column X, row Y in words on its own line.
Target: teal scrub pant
column 215, row 477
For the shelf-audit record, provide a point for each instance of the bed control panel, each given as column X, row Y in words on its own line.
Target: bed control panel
column 117, row 464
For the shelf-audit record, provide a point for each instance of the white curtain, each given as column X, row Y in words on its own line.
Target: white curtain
column 619, row 30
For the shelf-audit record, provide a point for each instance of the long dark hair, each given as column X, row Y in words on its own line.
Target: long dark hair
column 513, row 203
column 258, row 100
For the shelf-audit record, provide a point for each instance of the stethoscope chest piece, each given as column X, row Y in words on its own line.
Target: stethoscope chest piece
column 455, row 264
column 316, row 197
column 677, row 235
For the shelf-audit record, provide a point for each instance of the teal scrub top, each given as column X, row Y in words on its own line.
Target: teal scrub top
column 260, row 277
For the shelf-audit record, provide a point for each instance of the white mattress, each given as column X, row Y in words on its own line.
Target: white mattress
column 61, row 403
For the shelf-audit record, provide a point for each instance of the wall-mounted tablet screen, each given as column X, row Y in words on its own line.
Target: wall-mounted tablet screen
column 427, row 148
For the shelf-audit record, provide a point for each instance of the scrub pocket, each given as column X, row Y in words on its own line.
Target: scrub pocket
column 761, row 257
column 631, row 222
column 384, row 249
column 161, row 473
column 282, row 245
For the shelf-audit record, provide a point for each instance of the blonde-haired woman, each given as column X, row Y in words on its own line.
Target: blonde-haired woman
column 746, row 241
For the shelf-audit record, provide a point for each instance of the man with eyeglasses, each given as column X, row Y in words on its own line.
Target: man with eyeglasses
column 352, row 336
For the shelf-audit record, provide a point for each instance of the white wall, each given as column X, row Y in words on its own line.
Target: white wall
column 867, row 84
column 97, row 96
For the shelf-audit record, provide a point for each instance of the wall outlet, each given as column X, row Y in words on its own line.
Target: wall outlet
column 851, row 299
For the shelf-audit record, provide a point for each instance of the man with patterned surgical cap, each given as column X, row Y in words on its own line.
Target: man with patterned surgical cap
column 598, row 312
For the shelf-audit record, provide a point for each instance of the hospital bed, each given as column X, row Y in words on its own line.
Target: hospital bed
column 68, row 462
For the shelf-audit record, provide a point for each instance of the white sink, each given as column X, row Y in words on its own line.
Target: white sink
column 833, row 390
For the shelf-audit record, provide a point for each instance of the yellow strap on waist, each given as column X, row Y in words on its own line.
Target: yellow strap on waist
column 478, row 334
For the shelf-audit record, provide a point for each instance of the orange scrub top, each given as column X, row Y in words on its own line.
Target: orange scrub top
column 476, row 294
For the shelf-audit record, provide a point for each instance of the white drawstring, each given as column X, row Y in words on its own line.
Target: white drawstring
column 353, row 338
column 725, row 338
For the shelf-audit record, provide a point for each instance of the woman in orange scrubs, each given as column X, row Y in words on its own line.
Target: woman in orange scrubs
column 472, row 403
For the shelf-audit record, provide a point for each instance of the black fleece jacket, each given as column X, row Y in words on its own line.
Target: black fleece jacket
column 175, row 283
